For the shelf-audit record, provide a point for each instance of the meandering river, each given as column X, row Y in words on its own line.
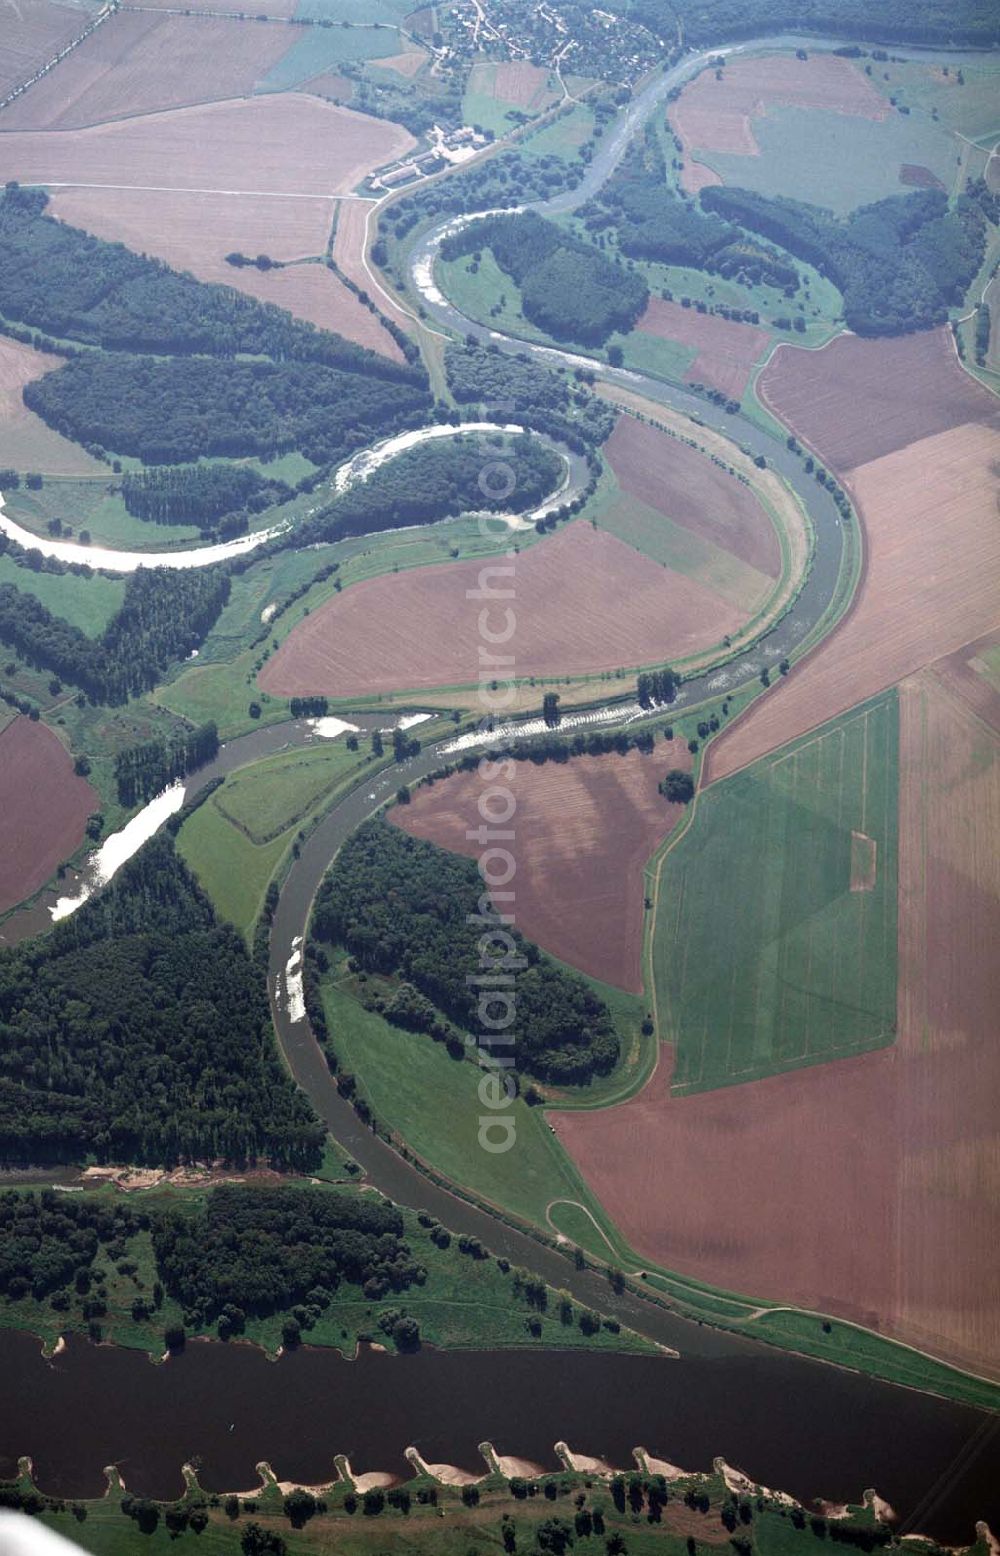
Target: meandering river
column 791, row 1423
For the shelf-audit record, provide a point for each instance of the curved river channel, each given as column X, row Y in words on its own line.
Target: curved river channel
column 791, row 1423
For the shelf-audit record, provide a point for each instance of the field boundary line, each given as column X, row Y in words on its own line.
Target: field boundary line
column 245, row 194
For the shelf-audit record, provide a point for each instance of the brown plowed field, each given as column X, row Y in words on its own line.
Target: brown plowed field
column 522, row 84
column 856, row 400
column 713, row 115
column 726, row 350
column 583, row 832
column 868, row 1187
column 26, row 443
column 196, row 231
column 931, row 583
column 666, row 474
column 961, row 676
column 864, row 1188
column 348, row 248
column 137, row 62
column 282, row 144
column 44, row 807
column 32, row 34
column 584, row 601
column 405, row 64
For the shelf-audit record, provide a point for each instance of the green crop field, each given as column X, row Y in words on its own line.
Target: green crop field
column 835, row 159
column 89, row 603
column 764, row 957
column 432, row 1100
column 319, row 49
column 265, row 799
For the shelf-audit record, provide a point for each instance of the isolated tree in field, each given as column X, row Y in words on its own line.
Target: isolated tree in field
column 677, row 787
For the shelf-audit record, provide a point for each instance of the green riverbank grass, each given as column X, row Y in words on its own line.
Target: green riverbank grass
column 431, row 1100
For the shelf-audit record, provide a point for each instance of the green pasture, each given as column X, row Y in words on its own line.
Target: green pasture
column 235, row 841
column 268, row 797
column 432, row 1101
column 482, row 106
column 90, row 505
column 233, row 870
column 835, row 160
column 563, row 136
column 89, row 603
column 763, row 957
column 970, row 106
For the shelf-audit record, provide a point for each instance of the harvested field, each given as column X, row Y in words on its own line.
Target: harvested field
column 330, row 84
column 666, row 474
column 196, row 231
column 713, row 115
column 585, row 830
column 521, row 84
column 405, row 64
column 774, row 945
column 931, row 583
column 283, row 144
column 44, row 807
column 138, row 62
column 856, row 400
column 916, row 177
column 948, row 1001
column 972, row 674
column 348, row 251
column 866, row 1188
column 585, row 602
column 32, row 34
column 726, row 350
column 26, row 443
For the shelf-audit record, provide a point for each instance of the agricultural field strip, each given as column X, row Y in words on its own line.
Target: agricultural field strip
column 270, row 194
column 791, row 522
column 681, row 1021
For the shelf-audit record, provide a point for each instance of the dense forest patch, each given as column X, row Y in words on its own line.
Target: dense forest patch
column 900, row 263
column 568, row 288
column 407, row 908
column 63, row 281
column 923, row 21
column 139, row 1031
column 269, row 1248
column 653, row 222
column 199, row 494
column 439, row 480
column 168, row 409
column 548, row 401
column 165, row 614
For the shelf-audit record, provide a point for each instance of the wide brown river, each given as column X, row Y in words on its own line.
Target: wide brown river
column 794, row 1425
